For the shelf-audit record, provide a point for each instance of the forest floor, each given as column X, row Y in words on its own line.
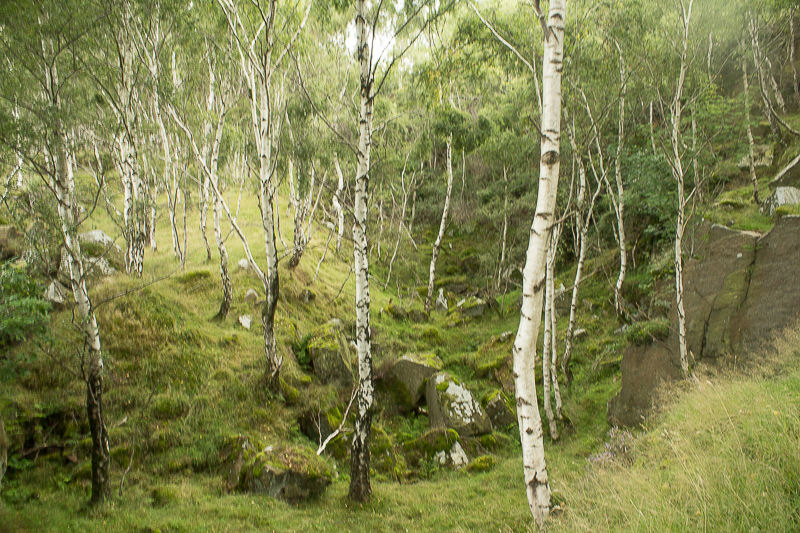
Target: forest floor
column 178, row 384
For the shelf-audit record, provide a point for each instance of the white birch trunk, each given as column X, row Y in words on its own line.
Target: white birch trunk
column 442, row 226
column 360, row 489
column 750, row 141
column 64, row 190
column 502, row 263
column 619, row 203
column 524, row 352
column 548, row 338
column 337, row 203
column 679, row 175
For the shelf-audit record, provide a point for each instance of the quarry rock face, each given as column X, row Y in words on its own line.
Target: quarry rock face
column 452, row 405
column 740, row 289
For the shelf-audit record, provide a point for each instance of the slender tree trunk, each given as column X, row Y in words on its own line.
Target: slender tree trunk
column 65, row 198
column 267, row 192
column 401, row 225
column 524, row 352
column 442, row 226
column 337, row 203
column 679, row 174
column 552, row 360
column 762, row 82
column 583, row 220
column 652, row 131
column 227, row 286
column 505, row 229
column 619, row 204
column 360, row 489
column 204, row 180
column 548, row 339
column 750, row 141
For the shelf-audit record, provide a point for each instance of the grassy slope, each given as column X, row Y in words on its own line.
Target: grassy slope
column 185, row 383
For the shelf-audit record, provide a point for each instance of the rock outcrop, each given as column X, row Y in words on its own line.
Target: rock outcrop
column 289, row 473
column 740, row 288
column 782, row 196
column 452, row 405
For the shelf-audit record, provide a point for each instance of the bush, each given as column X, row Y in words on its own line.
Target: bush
column 23, row 312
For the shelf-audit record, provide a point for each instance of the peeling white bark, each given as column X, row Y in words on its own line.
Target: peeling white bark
column 524, row 351
column 437, row 245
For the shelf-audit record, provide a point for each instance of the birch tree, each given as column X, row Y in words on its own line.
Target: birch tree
column 524, row 351
column 261, row 52
column 750, row 141
column 679, row 174
column 442, row 225
column 42, row 49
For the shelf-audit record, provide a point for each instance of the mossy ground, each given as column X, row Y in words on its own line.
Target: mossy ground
column 179, row 384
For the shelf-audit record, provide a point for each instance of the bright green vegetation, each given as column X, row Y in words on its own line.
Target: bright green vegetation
column 182, row 389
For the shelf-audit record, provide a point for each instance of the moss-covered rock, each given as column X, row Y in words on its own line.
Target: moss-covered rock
column 451, row 404
column 472, row 307
column 330, row 355
column 286, row 472
column 405, row 379
column 499, row 408
column 427, row 445
column 395, row 311
column 484, row 463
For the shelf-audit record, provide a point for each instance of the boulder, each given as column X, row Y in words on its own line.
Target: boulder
column 395, row 311
column 739, row 289
column 782, row 196
column 98, row 237
column 245, row 321
column 57, row 294
column 452, row 405
column 498, row 408
column 763, row 154
column 285, row 472
column 472, row 307
column 97, row 247
column 243, row 264
column 250, row 297
column 11, row 242
column 330, row 356
column 455, row 457
column 578, row 334
column 406, row 378
column 429, row 445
